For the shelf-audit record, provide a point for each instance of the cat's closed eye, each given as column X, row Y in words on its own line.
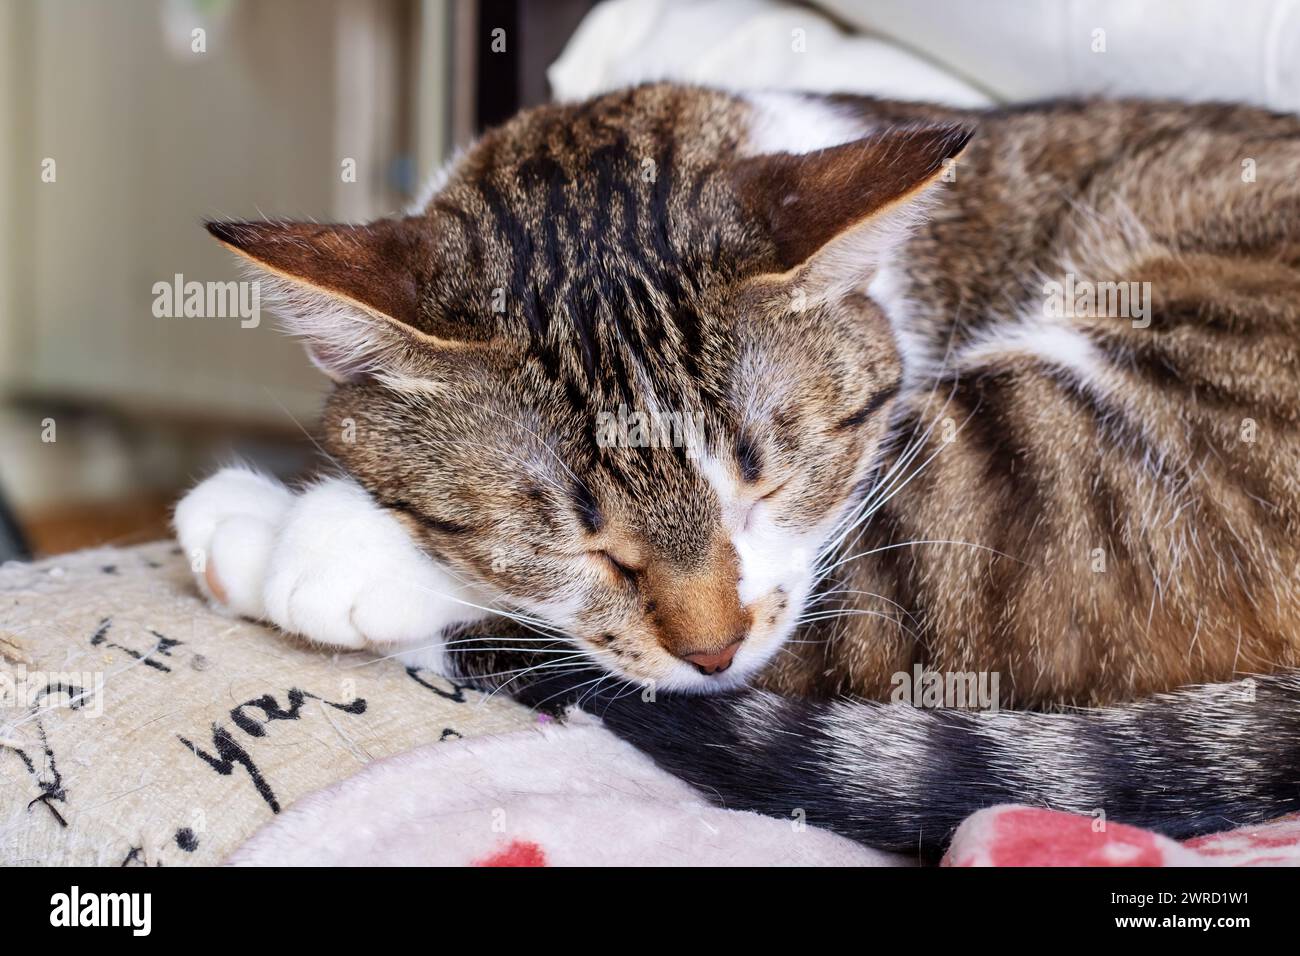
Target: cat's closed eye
column 623, row 570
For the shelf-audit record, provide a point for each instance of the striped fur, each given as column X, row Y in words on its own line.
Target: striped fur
column 897, row 777
column 911, row 457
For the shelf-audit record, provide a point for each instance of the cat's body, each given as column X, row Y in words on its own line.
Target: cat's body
column 944, row 471
column 1128, row 484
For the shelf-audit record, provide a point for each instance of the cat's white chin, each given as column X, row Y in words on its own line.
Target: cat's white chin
column 687, row 680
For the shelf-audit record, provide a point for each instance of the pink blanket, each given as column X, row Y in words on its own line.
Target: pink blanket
column 577, row 795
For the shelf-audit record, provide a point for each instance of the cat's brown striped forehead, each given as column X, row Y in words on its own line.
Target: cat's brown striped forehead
column 600, row 239
column 591, row 235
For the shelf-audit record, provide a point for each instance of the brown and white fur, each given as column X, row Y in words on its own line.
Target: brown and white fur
column 905, row 456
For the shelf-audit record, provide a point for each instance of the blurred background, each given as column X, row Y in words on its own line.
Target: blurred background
column 123, row 129
column 125, row 123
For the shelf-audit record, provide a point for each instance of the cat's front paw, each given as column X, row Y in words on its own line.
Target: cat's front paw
column 227, row 526
column 344, row 572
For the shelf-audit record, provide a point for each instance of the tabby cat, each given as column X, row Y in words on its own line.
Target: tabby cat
column 1010, row 393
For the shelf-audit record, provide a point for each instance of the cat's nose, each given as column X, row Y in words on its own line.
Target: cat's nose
column 716, row 662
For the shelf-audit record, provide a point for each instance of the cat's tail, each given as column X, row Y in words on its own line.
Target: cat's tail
column 902, row 778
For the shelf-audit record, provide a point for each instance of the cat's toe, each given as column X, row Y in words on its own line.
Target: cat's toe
column 315, row 601
column 344, row 572
column 409, row 608
column 239, row 552
column 337, row 570
column 350, row 596
column 226, row 526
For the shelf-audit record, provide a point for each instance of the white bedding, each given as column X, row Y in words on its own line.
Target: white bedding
column 959, row 53
column 742, row 44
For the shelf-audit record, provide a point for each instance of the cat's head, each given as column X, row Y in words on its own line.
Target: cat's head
column 619, row 369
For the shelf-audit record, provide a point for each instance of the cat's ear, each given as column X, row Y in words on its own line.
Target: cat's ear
column 352, row 292
column 833, row 213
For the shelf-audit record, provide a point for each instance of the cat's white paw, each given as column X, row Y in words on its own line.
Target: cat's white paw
column 344, row 572
column 227, row 526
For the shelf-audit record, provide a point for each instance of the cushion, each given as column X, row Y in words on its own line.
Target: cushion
column 138, row 726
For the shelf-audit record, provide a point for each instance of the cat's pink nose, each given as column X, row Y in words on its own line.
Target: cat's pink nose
column 716, row 662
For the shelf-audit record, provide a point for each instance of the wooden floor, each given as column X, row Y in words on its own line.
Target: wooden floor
column 71, row 527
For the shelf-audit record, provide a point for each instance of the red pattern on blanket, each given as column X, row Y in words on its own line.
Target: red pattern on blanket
column 516, row 853
column 1029, row 836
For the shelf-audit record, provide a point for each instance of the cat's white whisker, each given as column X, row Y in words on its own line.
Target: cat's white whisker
column 587, row 652
column 910, row 544
column 533, row 623
column 856, row 612
column 555, row 667
column 566, row 691
column 857, row 514
column 489, row 648
column 594, row 690
column 877, row 505
column 561, row 668
column 872, row 499
column 825, row 595
column 483, row 641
